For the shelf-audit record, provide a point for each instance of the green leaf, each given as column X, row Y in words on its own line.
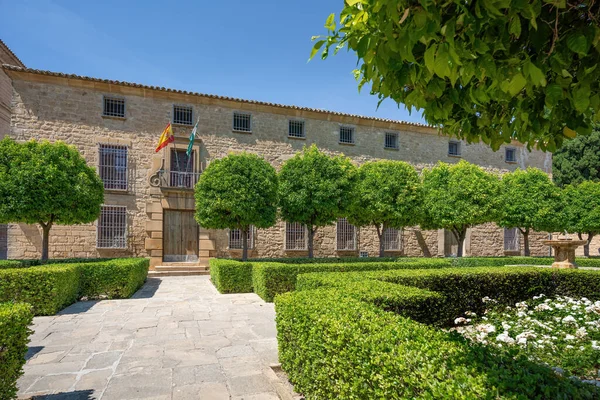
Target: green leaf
column 554, row 94
column 441, row 64
column 577, row 43
column 515, row 26
column 429, row 57
column 516, row 84
column 568, row 132
column 316, row 48
column 352, row 2
column 535, row 74
column 581, row 98
column 330, row 23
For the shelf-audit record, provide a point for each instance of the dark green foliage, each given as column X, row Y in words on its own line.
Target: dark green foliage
column 386, row 194
column 500, row 261
column 335, row 346
column 15, row 319
column 47, row 183
column 337, row 340
column 581, row 212
column 50, row 288
column 4, row 264
column 319, row 260
column 236, row 192
column 231, row 276
column 492, row 71
column 37, row 262
column 270, row 279
column 315, row 189
column 578, row 160
column 457, row 197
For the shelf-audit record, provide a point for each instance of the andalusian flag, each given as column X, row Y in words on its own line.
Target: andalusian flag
column 192, row 137
column 166, row 138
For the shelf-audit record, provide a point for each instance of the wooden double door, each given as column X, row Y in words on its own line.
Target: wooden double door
column 180, row 236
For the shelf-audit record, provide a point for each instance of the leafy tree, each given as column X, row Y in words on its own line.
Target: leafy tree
column 315, row 189
column 492, row 70
column 578, row 160
column 457, row 197
column 48, row 184
column 530, row 201
column 387, row 194
column 236, row 192
column 582, row 211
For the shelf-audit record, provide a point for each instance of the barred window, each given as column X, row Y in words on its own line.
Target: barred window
column 392, row 239
column 510, row 154
column 295, row 236
column 454, row 148
column 391, row 140
column 182, row 115
column 112, row 228
column 114, row 107
column 242, row 122
column 345, row 235
column 236, row 238
column 511, row 239
column 346, row 134
column 296, row 129
column 112, row 165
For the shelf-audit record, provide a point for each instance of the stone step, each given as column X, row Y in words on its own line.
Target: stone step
column 181, row 267
column 158, row 274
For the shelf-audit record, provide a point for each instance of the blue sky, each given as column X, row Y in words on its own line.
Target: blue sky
column 249, row 49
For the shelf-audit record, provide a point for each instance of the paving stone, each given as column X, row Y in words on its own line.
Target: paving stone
column 251, row 384
column 53, row 383
column 103, row 360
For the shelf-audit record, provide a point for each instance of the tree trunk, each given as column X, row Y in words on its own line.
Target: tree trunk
column 311, row 234
column 45, row 235
column 586, row 246
column 380, row 230
column 461, row 243
column 526, row 251
column 245, row 244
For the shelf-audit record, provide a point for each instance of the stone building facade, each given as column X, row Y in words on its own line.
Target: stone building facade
column 149, row 197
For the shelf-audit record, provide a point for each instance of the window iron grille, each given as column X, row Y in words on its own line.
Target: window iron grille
column 391, row 140
column 112, row 166
column 114, row 107
column 510, row 155
column 112, row 228
column 296, row 129
column 392, row 239
column 296, row 236
column 454, row 148
column 236, row 238
column 346, row 135
column 345, row 235
column 511, row 239
column 363, row 254
column 182, row 115
column 242, row 122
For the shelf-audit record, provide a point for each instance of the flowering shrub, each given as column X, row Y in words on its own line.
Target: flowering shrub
column 562, row 332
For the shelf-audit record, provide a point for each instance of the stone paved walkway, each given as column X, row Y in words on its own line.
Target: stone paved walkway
column 177, row 338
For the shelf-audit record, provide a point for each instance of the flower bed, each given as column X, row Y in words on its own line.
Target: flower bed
column 562, row 332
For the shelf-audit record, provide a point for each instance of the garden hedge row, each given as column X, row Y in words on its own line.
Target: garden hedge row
column 34, row 263
column 14, row 336
column 4, row 264
column 50, row 288
column 337, row 338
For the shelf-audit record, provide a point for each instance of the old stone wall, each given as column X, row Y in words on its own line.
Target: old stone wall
column 71, row 111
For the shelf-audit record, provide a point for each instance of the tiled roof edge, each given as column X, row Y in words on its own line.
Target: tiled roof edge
column 11, row 52
column 212, row 96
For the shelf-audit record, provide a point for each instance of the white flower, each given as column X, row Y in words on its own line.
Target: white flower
column 486, row 328
column 506, row 326
column 569, row 319
column 559, row 306
column 521, row 306
column 505, row 337
column 470, row 314
column 568, row 346
column 594, row 308
column 595, row 345
column 460, row 320
column 569, row 337
column 538, row 297
column 543, row 307
column 581, row 332
column 522, row 341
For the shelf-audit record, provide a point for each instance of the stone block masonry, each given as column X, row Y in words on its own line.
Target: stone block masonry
column 69, row 108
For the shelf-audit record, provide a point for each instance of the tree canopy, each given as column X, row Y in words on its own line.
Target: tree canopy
column 582, row 211
column 530, row 201
column 457, row 197
column 47, row 183
column 578, row 160
column 492, row 70
column 315, row 189
column 386, row 194
column 236, row 192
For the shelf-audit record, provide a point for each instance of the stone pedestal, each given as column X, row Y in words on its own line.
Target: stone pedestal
column 564, row 251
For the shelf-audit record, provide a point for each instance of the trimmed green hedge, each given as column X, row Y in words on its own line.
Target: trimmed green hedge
column 500, row 261
column 50, row 288
column 336, row 346
column 337, row 338
column 4, row 264
column 37, row 262
column 231, row 276
column 270, row 279
column 14, row 336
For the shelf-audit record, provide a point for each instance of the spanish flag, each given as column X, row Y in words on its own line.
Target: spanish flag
column 166, row 138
